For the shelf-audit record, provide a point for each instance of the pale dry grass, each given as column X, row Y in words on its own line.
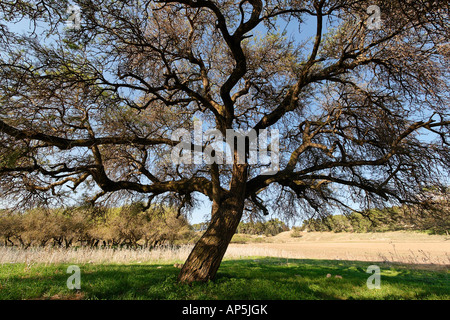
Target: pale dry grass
column 106, row 255
column 340, row 251
column 88, row 255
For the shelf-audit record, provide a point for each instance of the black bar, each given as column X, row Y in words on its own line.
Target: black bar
column 233, row 309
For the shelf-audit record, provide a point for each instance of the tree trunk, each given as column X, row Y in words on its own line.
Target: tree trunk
column 204, row 260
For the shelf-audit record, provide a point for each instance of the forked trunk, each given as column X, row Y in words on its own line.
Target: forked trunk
column 206, row 257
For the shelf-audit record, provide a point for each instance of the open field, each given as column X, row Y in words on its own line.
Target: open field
column 400, row 247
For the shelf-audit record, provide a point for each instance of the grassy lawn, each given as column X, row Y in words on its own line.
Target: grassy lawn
column 258, row 278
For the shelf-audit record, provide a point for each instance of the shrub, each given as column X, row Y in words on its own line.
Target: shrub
column 296, row 232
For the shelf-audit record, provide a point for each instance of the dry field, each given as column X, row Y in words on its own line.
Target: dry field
column 398, row 247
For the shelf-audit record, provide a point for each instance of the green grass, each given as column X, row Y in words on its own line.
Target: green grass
column 266, row 278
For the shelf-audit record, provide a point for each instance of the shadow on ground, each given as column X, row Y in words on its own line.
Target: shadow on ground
column 245, row 279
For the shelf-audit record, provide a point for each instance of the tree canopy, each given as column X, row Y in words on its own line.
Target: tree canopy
column 363, row 113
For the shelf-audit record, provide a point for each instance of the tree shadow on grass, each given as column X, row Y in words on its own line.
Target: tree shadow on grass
column 245, row 279
column 97, row 282
column 307, row 279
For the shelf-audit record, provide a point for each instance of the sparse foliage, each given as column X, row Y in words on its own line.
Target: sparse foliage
column 92, row 109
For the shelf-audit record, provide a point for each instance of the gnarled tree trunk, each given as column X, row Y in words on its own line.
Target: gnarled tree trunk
column 204, row 260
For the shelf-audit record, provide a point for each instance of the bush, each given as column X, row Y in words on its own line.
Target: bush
column 296, row 232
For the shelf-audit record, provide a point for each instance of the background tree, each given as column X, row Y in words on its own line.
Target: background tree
column 95, row 227
column 93, row 109
column 268, row 228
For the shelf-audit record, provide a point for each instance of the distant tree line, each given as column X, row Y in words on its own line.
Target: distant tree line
column 129, row 226
column 268, row 228
column 435, row 220
column 271, row 227
column 134, row 226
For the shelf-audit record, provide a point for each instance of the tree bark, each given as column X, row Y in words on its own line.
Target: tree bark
column 206, row 257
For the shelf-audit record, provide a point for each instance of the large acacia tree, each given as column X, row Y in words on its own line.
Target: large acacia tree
column 363, row 113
